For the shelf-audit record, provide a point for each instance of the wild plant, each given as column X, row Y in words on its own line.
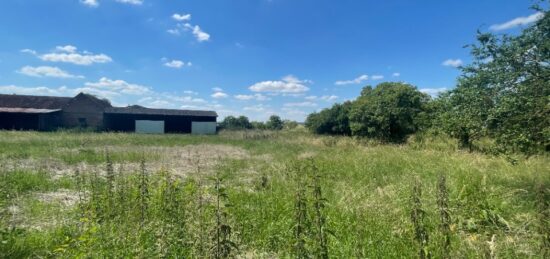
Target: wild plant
column 543, row 211
column 223, row 245
column 417, row 217
column 444, row 215
column 301, row 225
column 319, row 203
column 143, row 192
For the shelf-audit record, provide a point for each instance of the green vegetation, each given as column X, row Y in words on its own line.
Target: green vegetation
column 502, row 95
column 265, row 194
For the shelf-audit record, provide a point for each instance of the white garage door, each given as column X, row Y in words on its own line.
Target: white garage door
column 153, row 127
column 203, row 127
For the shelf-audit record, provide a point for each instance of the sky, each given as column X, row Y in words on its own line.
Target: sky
column 241, row 57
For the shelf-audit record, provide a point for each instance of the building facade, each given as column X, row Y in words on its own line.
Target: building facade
column 43, row 113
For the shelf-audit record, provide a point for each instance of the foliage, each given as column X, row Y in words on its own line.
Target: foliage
column 389, row 112
column 274, row 123
column 234, row 123
column 504, row 92
column 332, row 121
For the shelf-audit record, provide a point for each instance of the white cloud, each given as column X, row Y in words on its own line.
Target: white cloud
column 177, row 64
column 377, row 77
column 181, row 17
column 329, row 98
column 520, row 21
column 68, row 54
column 301, row 104
column 119, row 86
column 433, row 91
column 396, row 74
column 174, row 31
column 90, row 3
column 66, row 48
column 46, row 71
column 29, row 51
column 452, row 63
column 199, row 34
column 257, row 108
column 219, row 95
column 357, row 80
column 217, row 89
column 289, row 84
column 134, row 2
column 311, row 97
column 190, row 92
column 257, row 97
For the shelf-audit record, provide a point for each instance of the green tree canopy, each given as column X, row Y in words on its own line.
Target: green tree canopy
column 388, row 112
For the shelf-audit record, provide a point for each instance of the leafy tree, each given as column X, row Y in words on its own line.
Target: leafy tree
column 388, row 112
column 258, row 125
column 504, row 92
column 274, row 123
column 234, row 123
column 334, row 120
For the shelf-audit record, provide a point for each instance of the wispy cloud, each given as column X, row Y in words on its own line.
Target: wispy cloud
column 46, row 71
column 377, row 77
column 301, row 104
column 69, row 54
column 257, row 97
column 134, row 2
column 196, row 30
column 90, row 3
column 452, row 63
column 396, row 74
column 181, row 17
column 120, row 86
column 357, row 80
column 177, row 64
column 519, row 21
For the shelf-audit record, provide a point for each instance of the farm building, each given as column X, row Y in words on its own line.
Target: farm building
column 43, row 113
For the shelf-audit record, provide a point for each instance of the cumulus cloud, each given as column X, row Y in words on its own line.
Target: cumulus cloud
column 357, row 80
column 134, row 2
column 119, row 86
column 519, row 21
column 69, row 54
column 181, row 17
column 452, row 63
column 90, row 3
column 46, row 71
column 289, row 84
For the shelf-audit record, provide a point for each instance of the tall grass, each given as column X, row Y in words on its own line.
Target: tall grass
column 287, row 196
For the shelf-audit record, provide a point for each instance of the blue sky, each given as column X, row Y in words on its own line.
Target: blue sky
column 251, row 57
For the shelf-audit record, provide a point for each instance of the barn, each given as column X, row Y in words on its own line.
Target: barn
column 44, row 113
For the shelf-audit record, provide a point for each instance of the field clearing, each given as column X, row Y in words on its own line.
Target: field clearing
column 66, row 194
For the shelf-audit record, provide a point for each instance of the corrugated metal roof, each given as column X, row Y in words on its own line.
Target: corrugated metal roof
column 136, row 109
column 27, row 110
column 35, row 102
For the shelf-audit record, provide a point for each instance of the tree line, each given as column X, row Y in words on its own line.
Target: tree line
column 243, row 123
column 503, row 94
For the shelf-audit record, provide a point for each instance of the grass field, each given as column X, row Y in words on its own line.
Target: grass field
column 265, row 195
